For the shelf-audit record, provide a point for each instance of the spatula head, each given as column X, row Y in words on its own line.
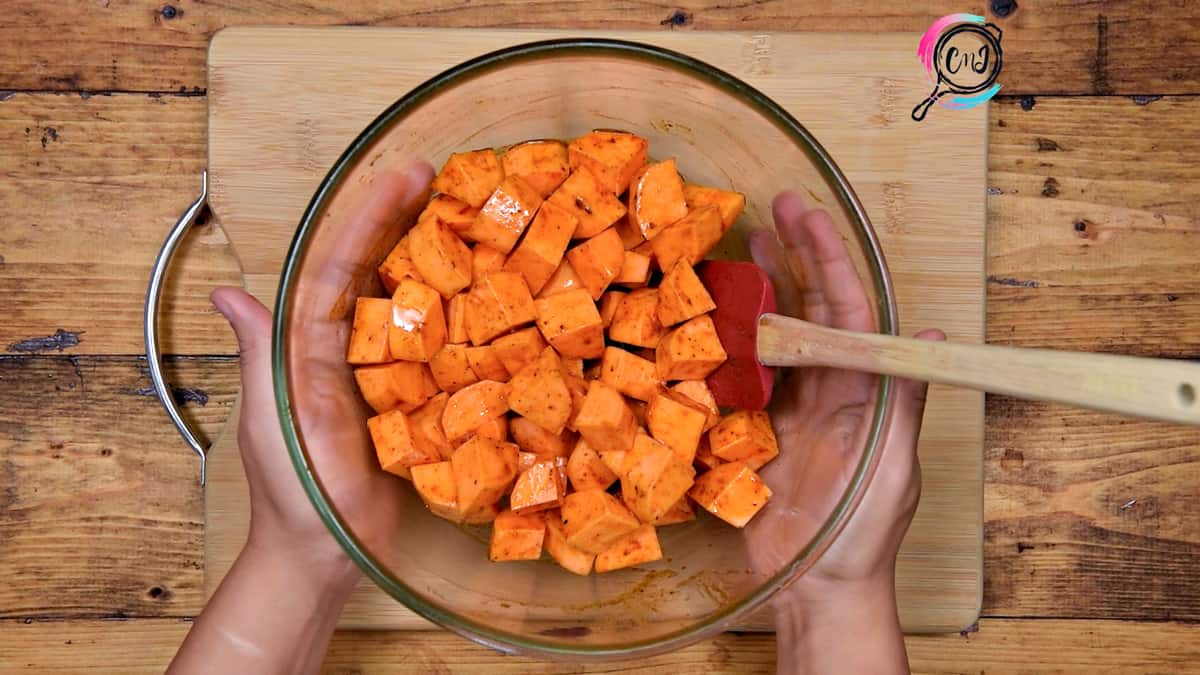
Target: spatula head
column 742, row 292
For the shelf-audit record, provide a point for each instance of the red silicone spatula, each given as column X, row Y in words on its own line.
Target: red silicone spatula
column 757, row 339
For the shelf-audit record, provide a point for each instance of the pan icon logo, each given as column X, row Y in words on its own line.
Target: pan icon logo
column 961, row 56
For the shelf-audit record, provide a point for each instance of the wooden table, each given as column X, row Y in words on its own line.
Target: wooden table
column 1092, row 533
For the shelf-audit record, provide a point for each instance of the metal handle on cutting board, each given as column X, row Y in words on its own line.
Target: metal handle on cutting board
column 153, row 298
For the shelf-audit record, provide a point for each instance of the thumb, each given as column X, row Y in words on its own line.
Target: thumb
column 910, row 397
column 251, row 321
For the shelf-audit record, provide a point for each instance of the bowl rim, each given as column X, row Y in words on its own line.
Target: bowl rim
column 515, row 643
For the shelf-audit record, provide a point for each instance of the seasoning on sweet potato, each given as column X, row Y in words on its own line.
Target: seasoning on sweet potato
column 705, row 460
column 484, row 261
column 451, row 368
column 573, row 366
column 608, row 305
column 425, row 423
column 539, row 393
column 402, row 385
column 635, row 548
column 597, row 261
column 570, row 322
column 519, row 349
column 484, row 514
column 538, row 255
column 532, row 438
column 496, row 304
column 698, row 392
column 680, row 512
column 635, row 270
column 595, row 208
column 436, row 485
column 369, row 335
column 747, row 436
column 733, row 492
column 397, row 266
column 394, row 447
column 470, row 176
column 567, row 556
column 631, row 236
column 486, row 364
column 578, row 388
column 691, row 351
column 418, row 328
column 635, row 320
column 586, row 470
column 629, row 374
column 656, row 198
column 688, row 239
column 564, row 279
column 442, row 259
column 540, row 487
column 495, row 428
column 484, row 470
column 612, row 156
column 605, row 419
column 542, row 164
column 681, row 295
column 616, row 460
column 525, row 460
column 593, row 520
column 517, row 536
column 471, row 406
column 455, row 213
column 676, row 424
column 654, row 479
column 729, row 203
column 505, row 215
column 456, row 319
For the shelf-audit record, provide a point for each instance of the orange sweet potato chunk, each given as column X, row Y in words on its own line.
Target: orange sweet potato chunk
column 680, row 512
column 496, row 304
column 629, row 374
column 471, row 177
column 746, row 436
column 394, row 446
column 470, row 407
column 691, row 351
column 571, row 324
column 541, row 164
column 578, row 388
column 573, row 366
column 486, row 364
column 676, row 424
column 540, row 487
column 689, row 239
column 495, row 428
column 635, row 270
column 452, row 369
column 484, row 261
column 733, row 492
column 539, row 254
column 535, row 440
column 586, row 470
column 402, row 385
column 397, row 266
column 698, row 392
column 456, row 319
column 484, row 470
column 505, row 215
column 598, row 261
column 425, row 423
column 656, row 198
column 682, row 296
column 437, row 487
column 637, row 547
column 482, row 515
column 519, row 349
column 593, row 520
column 655, row 479
column 567, row 556
column 442, row 259
column 608, row 305
column 635, row 320
column 705, row 460
column 614, row 157
column 517, row 536
column 605, row 419
column 418, row 328
column 455, row 213
column 564, row 279
column 729, row 203
column 369, row 335
column 595, row 208
column 539, row 393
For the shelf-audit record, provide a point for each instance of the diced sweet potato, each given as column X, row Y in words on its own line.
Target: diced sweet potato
column 482, row 515
column 631, row 236
column 629, row 374
column 486, row 364
column 635, row 270
column 608, row 305
column 594, row 208
column 578, row 388
column 394, row 446
column 635, row 320
column 564, row 279
column 397, row 266
column 676, row 424
column 656, row 198
column 452, row 369
column 542, row 164
column 484, row 261
column 654, row 479
column 567, row 556
column 729, row 203
column 456, row 319
column 732, row 492
column 637, row 547
column 471, row 406
column 470, row 176
column 418, row 328
column 605, row 419
column 597, row 261
column 698, row 392
column 745, row 435
column 681, row 295
column 539, row 393
column 495, row 428
column 425, row 423
column 442, row 259
column 541, row 251
column 496, row 304
column 573, row 366
column 525, row 460
column 519, row 349
column 505, row 215
column 691, row 351
column 680, row 512
column 705, row 460
column 586, row 470
column 570, row 322
column 593, row 520
column 688, row 239
column 484, row 470
column 517, row 536
column 436, row 485
column 369, row 335
column 402, row 385
column 612, row 156
column 455, row 213
column 639, row 411
column 540, row 487
column 532, row 438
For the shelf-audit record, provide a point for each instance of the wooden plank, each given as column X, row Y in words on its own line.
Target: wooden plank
column 88, row 190
column 1059, row 46
column 102, row 509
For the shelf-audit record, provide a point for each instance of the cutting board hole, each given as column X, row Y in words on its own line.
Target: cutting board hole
column 1187, row 394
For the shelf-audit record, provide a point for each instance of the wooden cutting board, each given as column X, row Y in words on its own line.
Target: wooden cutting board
column 285, row 102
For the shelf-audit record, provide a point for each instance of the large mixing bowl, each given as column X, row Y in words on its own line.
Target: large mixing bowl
column 724, row 133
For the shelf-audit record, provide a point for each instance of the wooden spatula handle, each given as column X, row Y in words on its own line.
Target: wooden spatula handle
column 1160, row 389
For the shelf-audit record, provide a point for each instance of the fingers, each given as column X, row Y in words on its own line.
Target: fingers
column 789, row 211
column 910, row 401
column 835, row 274
column 769, row 255
column 251, row 321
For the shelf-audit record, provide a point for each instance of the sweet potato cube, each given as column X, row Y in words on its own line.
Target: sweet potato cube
column 608, row 305
column 495, row 428
column 539, row 393
column 681, row 295
column 455, row 213
column 394, row 446
column 680, row 512
column 698, row 392
column 540, row 487
column 456, row 319
column 689, row 239
column 676, row 424
column 525, row 460
column 595, row 209
column 486, row 364
column 451, row 368
column 732, row 492
column 612, row 156
column 635, row 270
column 635, row 320
column 402, row 385
column 532, row 438
column 605, row 419
column 597, row 261
column 505, row 215
column 484, row 261
column 436, row 485
column 418, row 328
column 571, row 324
column 442, row 259
column 541, row 164
column 691, row 351
column 471, row 406
column 629, row 374
column 635, row 548
column 578, row 388
column 425, row 423
column 654, row 479
column 705, row 460
column 567, row 556
column 484, row 470
column 471, row 177
column 397, row 266
column 593, row 520
column 541, row 251
column 369, row 335
column 496, row 304
column 519, row 349
column 517, row 536
column 631, row 236
column 586, row 470
column 564, row 279
column 482, row 515
column 656, row 198
column 747, row 436
column 573, row 366
column 730, row 204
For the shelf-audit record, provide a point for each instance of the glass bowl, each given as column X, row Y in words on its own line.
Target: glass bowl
column 712, row 577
